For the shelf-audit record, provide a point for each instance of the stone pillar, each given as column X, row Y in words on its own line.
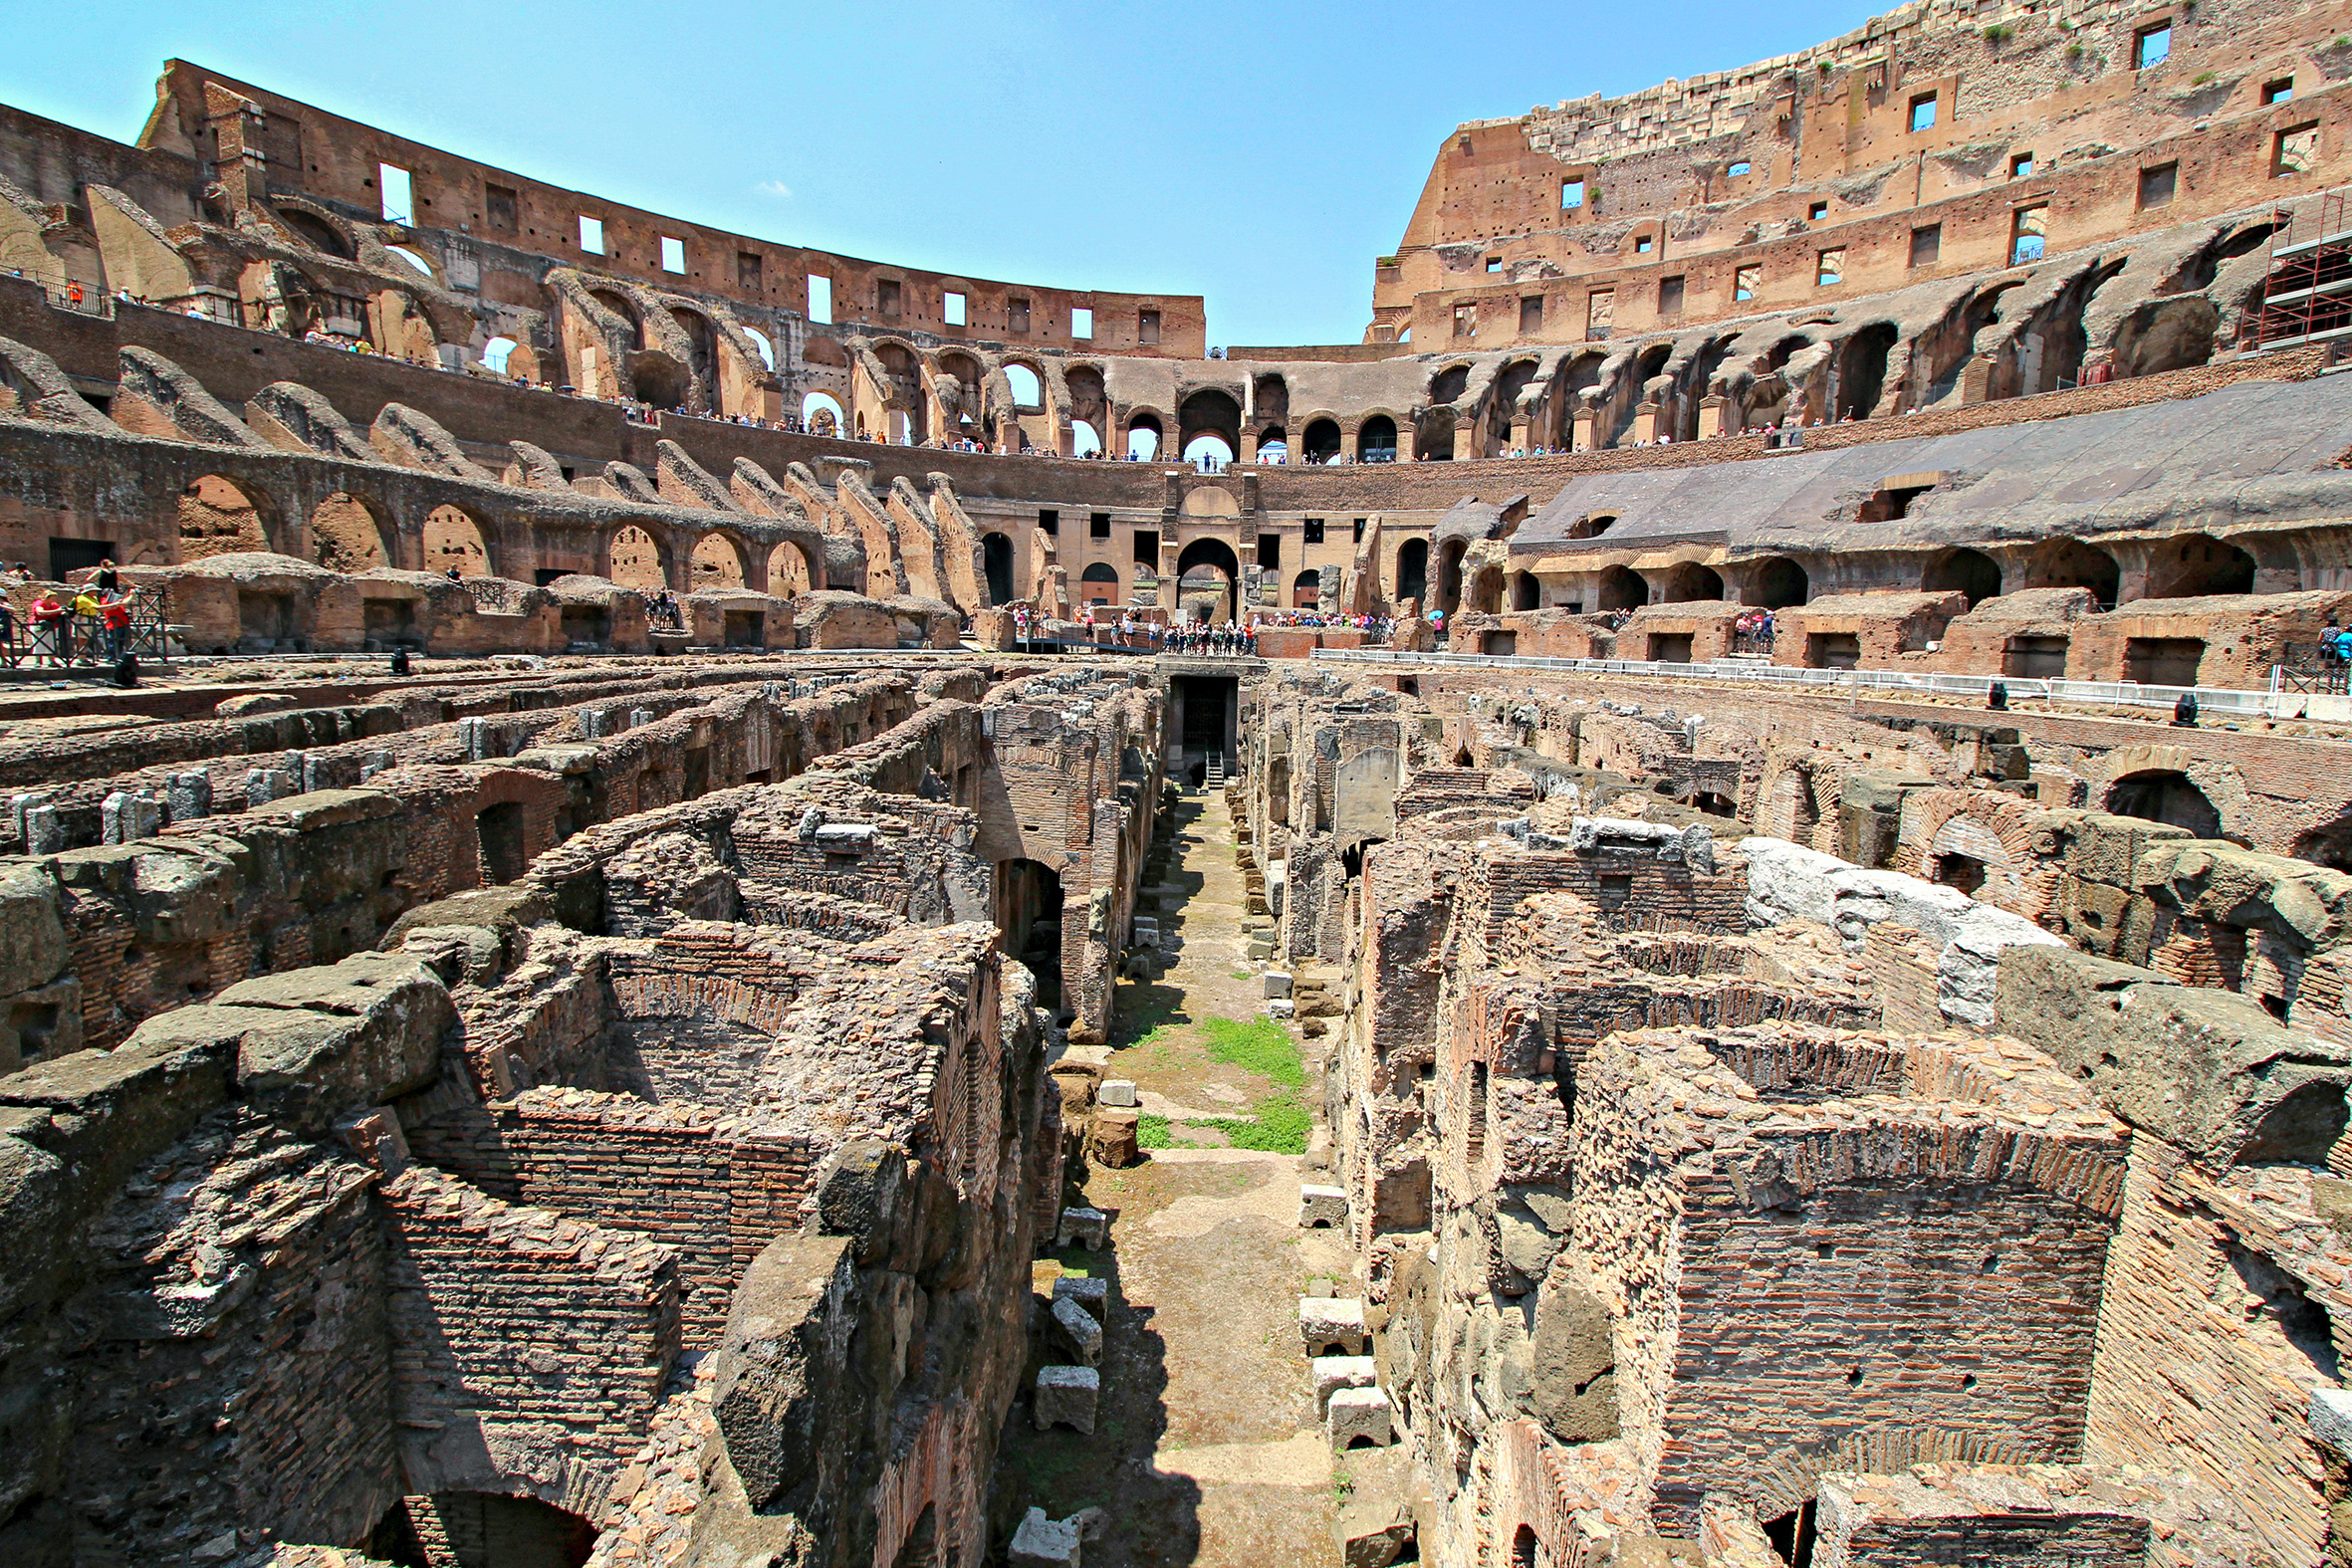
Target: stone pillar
column 1465, row 438
column 1584, row 439
column 44, row 833
column 190, row 796
column 1711, row 416
column 1645, row 423
column 1975, row 379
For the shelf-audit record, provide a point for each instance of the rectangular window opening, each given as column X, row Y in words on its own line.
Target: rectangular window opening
column 2021, row 166
column 1270, row 552
column 950, row 308
column 747, row 269
column 502, row 209
column 1314, row 530
column 1670, row 291
column 1081, row 322
column 821, row 299
column 1466, row 320
column 673, row 254
column 2028, row 234
column 1923, row 112
column 1745, row 281
column 1818, row 212
column 1571, row 195
column 1016, row 316
column 591, row 235
column 2158, row 184
column 392, row 184
column 1644, row 244
column 1831, row 268
column 2296, row 150
column 1050, row 521
column 1530, row 316
column 1098, row 525
column 1739, row 168
column 1360, row 531
column 888, row 296
column 1600, row 313
column 2278, row 92
column 1147, row 327
column 1926, row 243
column 2153, row 46
column 1147, row 547
column 1493, row 264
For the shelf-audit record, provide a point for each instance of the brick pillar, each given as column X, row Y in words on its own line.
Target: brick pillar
column 1711, row 416
column 1645, row 424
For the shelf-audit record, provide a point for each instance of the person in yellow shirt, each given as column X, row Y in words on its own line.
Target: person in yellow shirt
column 86, row 608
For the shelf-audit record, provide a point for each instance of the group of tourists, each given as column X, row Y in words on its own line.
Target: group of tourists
column 1200, row 639
column 88, row 625
column 1374, row 628
column 1755, row 627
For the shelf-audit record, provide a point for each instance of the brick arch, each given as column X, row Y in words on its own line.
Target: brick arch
column 1789, row 1478
column 2009, row 837
column 622, row 549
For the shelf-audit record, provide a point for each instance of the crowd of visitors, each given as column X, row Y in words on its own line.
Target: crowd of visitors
column 67, row 624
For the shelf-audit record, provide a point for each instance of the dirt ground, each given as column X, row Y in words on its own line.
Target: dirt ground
column 1206, row 1451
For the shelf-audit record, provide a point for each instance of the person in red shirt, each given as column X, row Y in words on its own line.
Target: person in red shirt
column 52, row 623
column 114, row 614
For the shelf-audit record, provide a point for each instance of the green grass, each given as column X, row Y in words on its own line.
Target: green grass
column 1260, row 1046
column 1281, row 1128
column 1151, row 1131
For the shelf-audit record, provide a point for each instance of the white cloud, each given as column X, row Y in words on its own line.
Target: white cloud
column 775, row 188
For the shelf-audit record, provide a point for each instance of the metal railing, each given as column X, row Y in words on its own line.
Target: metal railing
column 84, row 639
column 2215, row 700
column 2313, row 667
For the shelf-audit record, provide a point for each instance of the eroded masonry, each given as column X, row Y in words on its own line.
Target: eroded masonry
column 634, row 980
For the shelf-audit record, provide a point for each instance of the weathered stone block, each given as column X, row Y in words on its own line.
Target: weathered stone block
column 1067, row 1395
column 317, row 1043
column 1110, row 1139
column 1041, row 1542
column 1321, row 1207
column 1278, row 984
column 1358, row 1415
column 1086, row 1227
column 1119, row 1092
column 1333, row 1373
column 1080, row 1331
column 1090, row 1292
column 1330, row 1325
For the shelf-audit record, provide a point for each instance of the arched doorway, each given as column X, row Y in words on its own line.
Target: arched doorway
column 453, row 539
column 2070, row 563
column 1207, row 569
column 637, row 559
column 1208, row 453
column 1321, row 441
column 1692, row 580
column 1143, row 437
column 1306, row 589
column 2196, row 566
column 1526, row 592
column 345, row 535
column 1209, row 414
column 1622, row 588
column 216, row 517
column 788, row 571
column 820, row 414
column 1412, row 570
column 996, row 564
column 715, row 564
column 1375, row 441
column 1449, row 573
column 2165, row 795
column 1971, row 573
column 1780, row 584
column 1099, row 583
column 1862, row 370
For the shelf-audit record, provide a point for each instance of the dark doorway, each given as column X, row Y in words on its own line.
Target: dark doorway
column 68, row 555
column 500, row 828
column 2165, row 797
column 996, row 557
column 1970, row 572
column 1029, row 914
column 1412, row 570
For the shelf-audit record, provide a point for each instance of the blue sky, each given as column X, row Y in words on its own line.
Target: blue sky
column 1261, row 155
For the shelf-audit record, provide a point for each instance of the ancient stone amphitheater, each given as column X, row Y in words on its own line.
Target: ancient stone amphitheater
column 660, row 954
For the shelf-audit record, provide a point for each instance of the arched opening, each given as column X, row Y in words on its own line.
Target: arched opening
column 1209, row 414
column 1375, row 441
column 452, row 539
column 1027, row 392
column 1274, row 445
column 423, row 267
column 1412, row 570
column 1502, row 405
column 498, row 831
column 1449, row 385
column 996, row 564
column 1433, row 436
column 2301, row 1129
column 1622, row 588
column 1970, row 574
column 1207, row 573
column 788, row 571
column 345, row 535
column 1592, row 526
column 1208, row 453
column 2165, row 795
column 1306, row 589
column 820, row 414
column 1791, row 1535
column 1028, row 915
column 2197, row 564
column 495, row 351
column 1780, row 584
column 1143, row 437
column 619, row 306
column 764, row 343
column 1525, row 1550
column 920, row 1549
column 1321, row 441
column 1862, row 370
column 715, row 564
column 1449, row 573
column 2070, row 563
column 1269, row 399
column 1099, row 583
column 1692, row 580
column 1084, row 439
column 218, row 518
column 637, row 559
column 1526, row 592
column 315, row 231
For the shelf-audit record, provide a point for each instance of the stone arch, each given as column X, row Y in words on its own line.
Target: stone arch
column 1211, row 412
column 1788, row 1480
column 1375, row 439
column 219, row 517
column 622, row 306
column 1862, row 370
column 717, row 562
column 347, row 535
column 820, row 414
column 2072, row 563
column 1526, row 592
column 1270, row 398
column 1692, row 580
column 1306, row 589
column 1592, row 526
column 1146, row 435
column 1449, row 382
column 1448, row 588
column 1502, row 396
column 635, row 558
column 1433, row 435
column 2164, row 795
column 702, row 357
column 1208, row 558
column 454, row 537
column 315, row 231
column 1970, row 572
column 788, row 570
column 1780, row 583
column 1319, row 443
column 2195, row 565
column 1621, row 588
column 996, row 560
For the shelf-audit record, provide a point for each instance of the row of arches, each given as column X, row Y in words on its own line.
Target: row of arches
column 349, row 533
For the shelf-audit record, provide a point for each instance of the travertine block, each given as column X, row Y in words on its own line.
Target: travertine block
column 1067, row 1395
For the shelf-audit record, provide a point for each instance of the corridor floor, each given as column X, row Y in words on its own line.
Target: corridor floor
column 1207, row 1450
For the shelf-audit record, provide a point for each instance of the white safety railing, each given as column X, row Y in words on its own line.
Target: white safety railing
column 2219, row 701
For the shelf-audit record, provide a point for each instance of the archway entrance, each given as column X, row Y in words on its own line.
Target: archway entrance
column 1412, row 570
column 1691, row 580
column 637, row 559
column 453, row 539
column 1622, row 588
column 1209, row 575
column 1970, row 572
column 1098, row 584
column 2070, row 563
column 345, row 535
column 218, row 518
column 1782, row 583
column 2165, row 795
column 2197, row 566
column 715, row 564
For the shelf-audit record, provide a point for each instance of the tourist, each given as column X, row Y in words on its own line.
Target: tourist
column 106, row 581
column 114, row 614
column 52, row 626
column 85, row 612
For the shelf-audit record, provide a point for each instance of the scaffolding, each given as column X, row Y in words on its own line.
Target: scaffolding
column 2308, row 296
